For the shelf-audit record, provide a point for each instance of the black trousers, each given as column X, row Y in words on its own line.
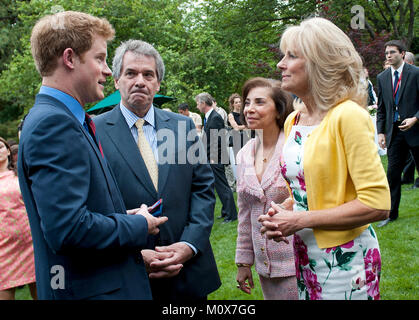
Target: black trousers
column 229, row 210
column 397, row 154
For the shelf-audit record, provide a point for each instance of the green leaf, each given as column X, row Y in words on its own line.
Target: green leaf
column 344, row 259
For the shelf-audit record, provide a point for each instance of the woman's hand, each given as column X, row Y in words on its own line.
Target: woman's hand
column 245, row 279
column 279, row 223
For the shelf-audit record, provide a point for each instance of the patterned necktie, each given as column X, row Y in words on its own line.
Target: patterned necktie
column 205, row 121
column 396, row 95
column 89, row 124
column 147, row 154
column 395, row 88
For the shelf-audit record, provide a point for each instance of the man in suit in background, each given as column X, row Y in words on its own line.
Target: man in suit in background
column 217, row 153
column 148, row 149
column 397, row 118
column 86, row 246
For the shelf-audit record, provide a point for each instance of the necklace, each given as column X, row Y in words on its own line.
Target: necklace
column 265, row 159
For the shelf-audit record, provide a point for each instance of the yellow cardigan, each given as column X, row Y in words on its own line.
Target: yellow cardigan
column 341, row 163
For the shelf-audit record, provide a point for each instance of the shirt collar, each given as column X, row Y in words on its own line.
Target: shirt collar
column 72, row 104
column 131, row 118
column 399, row 70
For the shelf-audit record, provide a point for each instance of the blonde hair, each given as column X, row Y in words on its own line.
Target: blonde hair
column 333, row 65
column 52, row 34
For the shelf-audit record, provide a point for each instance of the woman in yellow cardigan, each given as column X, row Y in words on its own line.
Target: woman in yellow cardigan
column 332, row 167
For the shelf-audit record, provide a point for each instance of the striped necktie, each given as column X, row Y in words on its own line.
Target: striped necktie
column 147, row 154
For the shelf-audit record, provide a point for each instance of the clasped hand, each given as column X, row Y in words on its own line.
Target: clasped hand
column 166, row 261
column 279, row 222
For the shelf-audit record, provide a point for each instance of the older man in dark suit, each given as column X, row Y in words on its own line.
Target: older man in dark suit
column 85, row 245
column 397, row 118
column 214, row 138
column 149, row 151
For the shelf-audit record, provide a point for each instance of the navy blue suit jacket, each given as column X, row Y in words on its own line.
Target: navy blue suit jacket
column 186, row 190
column 77, row 216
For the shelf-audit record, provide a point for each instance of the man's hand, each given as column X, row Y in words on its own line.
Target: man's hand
column 381, row 140
column 408, row 123
column 152, row 222
column 180, row 253
column 150, row 258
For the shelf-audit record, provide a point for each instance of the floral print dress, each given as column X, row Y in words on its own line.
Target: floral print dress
column 346, row 272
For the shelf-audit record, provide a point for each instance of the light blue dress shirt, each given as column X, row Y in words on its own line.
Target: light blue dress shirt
column 149, row 127
column 72, row 104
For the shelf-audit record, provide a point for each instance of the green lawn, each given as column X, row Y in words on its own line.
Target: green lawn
column 398, row 243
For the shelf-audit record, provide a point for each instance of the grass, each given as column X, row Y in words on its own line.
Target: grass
column 398, row 244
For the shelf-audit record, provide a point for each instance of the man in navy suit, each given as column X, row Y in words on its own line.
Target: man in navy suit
column 398, row 118
column 85, row 244
column 157, row 155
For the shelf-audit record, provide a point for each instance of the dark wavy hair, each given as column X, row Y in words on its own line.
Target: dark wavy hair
column 283, row 100
column 10, row 164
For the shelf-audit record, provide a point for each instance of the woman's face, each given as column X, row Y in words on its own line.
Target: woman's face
column 4, row 152
column 259, row 109
column 294, row 74
column 237, row 103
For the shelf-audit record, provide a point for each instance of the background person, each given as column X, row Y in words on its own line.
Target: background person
column 183, row 109
column 216, row 150
column 338, row 183
column 236, row 137
column 17, row 266
column 260, row 182
column 397, row 118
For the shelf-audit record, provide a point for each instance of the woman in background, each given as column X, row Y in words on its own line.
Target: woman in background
column 17, row 266
column 236, row 140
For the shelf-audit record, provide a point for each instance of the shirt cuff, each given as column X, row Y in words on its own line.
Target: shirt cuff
column 191, row 246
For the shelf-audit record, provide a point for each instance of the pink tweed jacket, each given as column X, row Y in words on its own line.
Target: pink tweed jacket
column 271, row 259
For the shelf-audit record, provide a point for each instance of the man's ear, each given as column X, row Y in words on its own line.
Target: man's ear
column 68, row 58
column 115, row 81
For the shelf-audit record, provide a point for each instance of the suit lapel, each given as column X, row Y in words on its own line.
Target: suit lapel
column 109, row 178
column 162, row 122
column 405, row 76
column 212, row 114
column 121, row 136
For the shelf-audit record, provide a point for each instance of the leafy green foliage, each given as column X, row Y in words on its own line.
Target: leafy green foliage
column 207, row 45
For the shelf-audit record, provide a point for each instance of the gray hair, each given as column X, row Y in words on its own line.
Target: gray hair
column 205, row 97
column 409, row 57
column 137, row 47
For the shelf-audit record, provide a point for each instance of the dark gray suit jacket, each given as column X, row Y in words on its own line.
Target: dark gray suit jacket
column 186, row 190
column 408, row 103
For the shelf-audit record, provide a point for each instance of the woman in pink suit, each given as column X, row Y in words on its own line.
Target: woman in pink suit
column 259, row 182
column 17, row 266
